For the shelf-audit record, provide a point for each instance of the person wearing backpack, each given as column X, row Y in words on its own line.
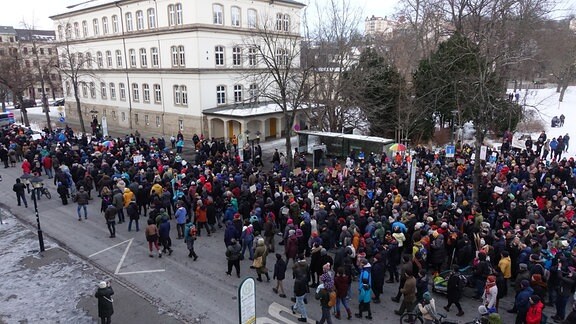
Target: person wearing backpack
column 456, row 283
column 427, row 308
column 190, row 235
column 364, row 298
column 323, row 295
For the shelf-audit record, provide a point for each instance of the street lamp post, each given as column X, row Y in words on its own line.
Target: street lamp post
column 37, row 186
column 454, row 113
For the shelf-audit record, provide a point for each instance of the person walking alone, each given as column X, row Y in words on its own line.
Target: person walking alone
column 105, row 302
column 279, row 275
column 190, row 237
column 82, row 201
column 151, row 233
column 233, row 255
column 110, row 216
column 18, row 188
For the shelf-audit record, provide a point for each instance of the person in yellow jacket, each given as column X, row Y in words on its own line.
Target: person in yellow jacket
column 505, row 265
column 156, row 188
column 128, row 195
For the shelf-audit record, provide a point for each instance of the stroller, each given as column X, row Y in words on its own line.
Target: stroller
column 440, row 280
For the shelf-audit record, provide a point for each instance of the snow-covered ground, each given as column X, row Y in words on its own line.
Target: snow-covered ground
column 35, row 291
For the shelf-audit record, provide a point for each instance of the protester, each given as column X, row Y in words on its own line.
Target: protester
column 105, row 302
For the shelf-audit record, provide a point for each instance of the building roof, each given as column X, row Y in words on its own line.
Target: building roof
column 88, row 4
column 7, row 30
column 35, row 34
column 348, row 136
column 243, row 111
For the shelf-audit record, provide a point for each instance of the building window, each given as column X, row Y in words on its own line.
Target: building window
column 184, row 92
column 154, row 54
column 253, row 92
column 218, row 14
column 92, row 90
column 103, row 90
column 237, row 56
column 252, row 56
column 151, row 18
column 286, row 23
column 135, row 92
column 60, row 32
column 80, row 60
column 118, row 58
column 122, row 90
column 178, row 56
column 235, row 16
column 281, row 57
column 114, row 116
column 145, row 92
column 104, row 112
column 96, row 26
column 177, row 95
column 109, row 59
column 112, row 91
column 136, row 119
column 157, row 121
column 146, row 120
column 157, row 93
column 180, row 124
column 115, row 24
column 99, row 60
column 179, row 14
column 132, row 57
column 143, row 58
column 139, row 20
column 84, row 28
column 67, row 86
column 279, row 21
column 221, row 94
column 105, row 25
column 171, row 15
column 84, row 90
column 129, row 27
column 123, row 116
column 76, row 30
column 89, row 60
column 238, row 93
column 252, row 18
column 219, row 55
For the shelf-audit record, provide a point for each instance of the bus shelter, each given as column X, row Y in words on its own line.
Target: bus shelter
column 340, row 145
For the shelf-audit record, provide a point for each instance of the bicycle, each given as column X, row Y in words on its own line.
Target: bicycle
column 44, row 192
column 416, row 318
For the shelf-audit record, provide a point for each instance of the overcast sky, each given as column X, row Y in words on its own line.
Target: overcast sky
column 37, row 11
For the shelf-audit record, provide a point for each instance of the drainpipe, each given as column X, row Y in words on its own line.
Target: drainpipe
column 128, row 85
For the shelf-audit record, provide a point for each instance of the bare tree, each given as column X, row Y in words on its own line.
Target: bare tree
column 17, row 76
column 330, row 51
column 42, row 70
column 280, row 78
column 74, row 69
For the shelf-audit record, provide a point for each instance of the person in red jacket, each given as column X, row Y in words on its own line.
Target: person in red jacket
column 47, row 164
column 26, row 167
column 534, row 315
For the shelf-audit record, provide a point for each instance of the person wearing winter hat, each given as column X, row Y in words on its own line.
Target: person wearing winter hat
column 105, row 302
column 522, row 302
column 427, row 308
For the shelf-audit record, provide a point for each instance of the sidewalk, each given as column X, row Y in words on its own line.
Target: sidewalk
column 57, row 286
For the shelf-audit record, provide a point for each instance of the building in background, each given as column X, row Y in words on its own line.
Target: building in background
column 378, row 26
column 166, row 66
column 23, row 42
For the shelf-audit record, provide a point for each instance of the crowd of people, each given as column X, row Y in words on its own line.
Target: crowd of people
column 345, row 222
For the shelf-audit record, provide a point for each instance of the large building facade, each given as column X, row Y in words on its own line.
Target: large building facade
column 166, row 66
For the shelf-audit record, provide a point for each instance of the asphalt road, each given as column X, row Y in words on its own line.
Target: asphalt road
column 198, row 291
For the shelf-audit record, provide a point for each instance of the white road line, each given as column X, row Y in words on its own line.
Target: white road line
column 274, row 310
column 138, row 272
column 123, row 256
column 108, row 248
column 266, row 320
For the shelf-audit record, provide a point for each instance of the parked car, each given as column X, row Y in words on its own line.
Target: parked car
column 58, row 103
column 27, row 103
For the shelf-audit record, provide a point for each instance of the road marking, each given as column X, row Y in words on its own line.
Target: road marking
column 119, row 266
column 137, row 272
column 275, row 310
column 123, row 256
column 108, row 248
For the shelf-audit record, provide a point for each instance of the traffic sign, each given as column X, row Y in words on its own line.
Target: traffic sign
column 450, row 151
column 61, row 119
